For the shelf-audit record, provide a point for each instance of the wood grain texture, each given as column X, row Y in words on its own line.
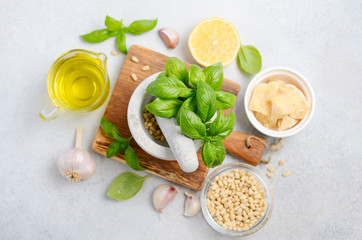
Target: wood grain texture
column 235, row 144
column 116, row 113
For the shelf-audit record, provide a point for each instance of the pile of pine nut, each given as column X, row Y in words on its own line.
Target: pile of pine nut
column 236, row 200
column 152, row 126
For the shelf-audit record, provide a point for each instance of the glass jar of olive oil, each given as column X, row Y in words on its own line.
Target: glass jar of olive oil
column 77, row 81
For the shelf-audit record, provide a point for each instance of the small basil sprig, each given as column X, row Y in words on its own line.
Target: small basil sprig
column 249, row 59
column 116, row 28
column 125, row 186
column 120, row 145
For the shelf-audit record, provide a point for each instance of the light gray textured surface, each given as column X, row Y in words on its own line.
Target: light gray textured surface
column 320, row 200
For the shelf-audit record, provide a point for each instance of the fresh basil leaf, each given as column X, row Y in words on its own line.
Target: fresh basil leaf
column 222, row 126
column 161, row 75
column 132, row 159
column 111, row 130
column 176, row 68
column 164, row 108
column 169, row 88
column 214, row 75
column 213, row 153
column 113, row 24
column 141, row 26
column 97, row 36
column 126, row 185
column 121, row 42
column 196, row 74
column 249, row 59
column 116, row 147
column 224, row 100
column 113, row 33
column 206, row 101
column 189, row 104
column 191, row 124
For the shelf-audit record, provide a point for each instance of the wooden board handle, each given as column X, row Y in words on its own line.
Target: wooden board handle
column 235, row 144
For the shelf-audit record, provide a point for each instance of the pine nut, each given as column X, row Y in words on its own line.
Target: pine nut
column 134, row 77
column 114, row 53
column 134, row 59
column 269, row 175
column 281, row 163
column 271, row 169
column 286, row 173
column 145, row 68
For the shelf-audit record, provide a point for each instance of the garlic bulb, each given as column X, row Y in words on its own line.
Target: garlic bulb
column 192, row 205
column 76, row 164
column 163, row 195
column 169, row 36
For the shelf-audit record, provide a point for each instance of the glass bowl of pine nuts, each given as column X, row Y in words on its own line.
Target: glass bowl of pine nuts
column 236, row 199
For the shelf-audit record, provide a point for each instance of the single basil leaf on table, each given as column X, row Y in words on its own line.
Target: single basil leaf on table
column 132, row 159
column 111, row 130
column 196, row 74
column 113, row 24
column 189, row 104
column 249, row 59
column 213, row 153
column 126, row 185
column 169, row 88
column 214, row 75
column 206, row 101
column 222, row 126
column 141, row 26
column 97, row 36
column 121, row 42
column 224, row 100
column 116, row 147
column 176, row 68
column 191, row 124
column 164, row 108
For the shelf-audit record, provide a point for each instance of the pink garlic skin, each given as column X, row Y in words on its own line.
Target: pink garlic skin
column 192, row 205
column 163, row 196
column 77, row 160
column 169, row 36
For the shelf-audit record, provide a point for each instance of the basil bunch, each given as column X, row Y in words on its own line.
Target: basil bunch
column 116, row 28
column 193, row 97
column 120, row 145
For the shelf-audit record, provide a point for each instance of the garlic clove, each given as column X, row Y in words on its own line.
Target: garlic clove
column 164, row 195
column 192, row 205
column 169, row 36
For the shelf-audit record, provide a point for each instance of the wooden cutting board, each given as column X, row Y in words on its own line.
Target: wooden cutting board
column 116, row 113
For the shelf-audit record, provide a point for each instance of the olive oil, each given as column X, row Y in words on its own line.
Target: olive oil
column 79, row 82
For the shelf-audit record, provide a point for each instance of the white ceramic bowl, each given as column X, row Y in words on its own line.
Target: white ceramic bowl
column 289, row 76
